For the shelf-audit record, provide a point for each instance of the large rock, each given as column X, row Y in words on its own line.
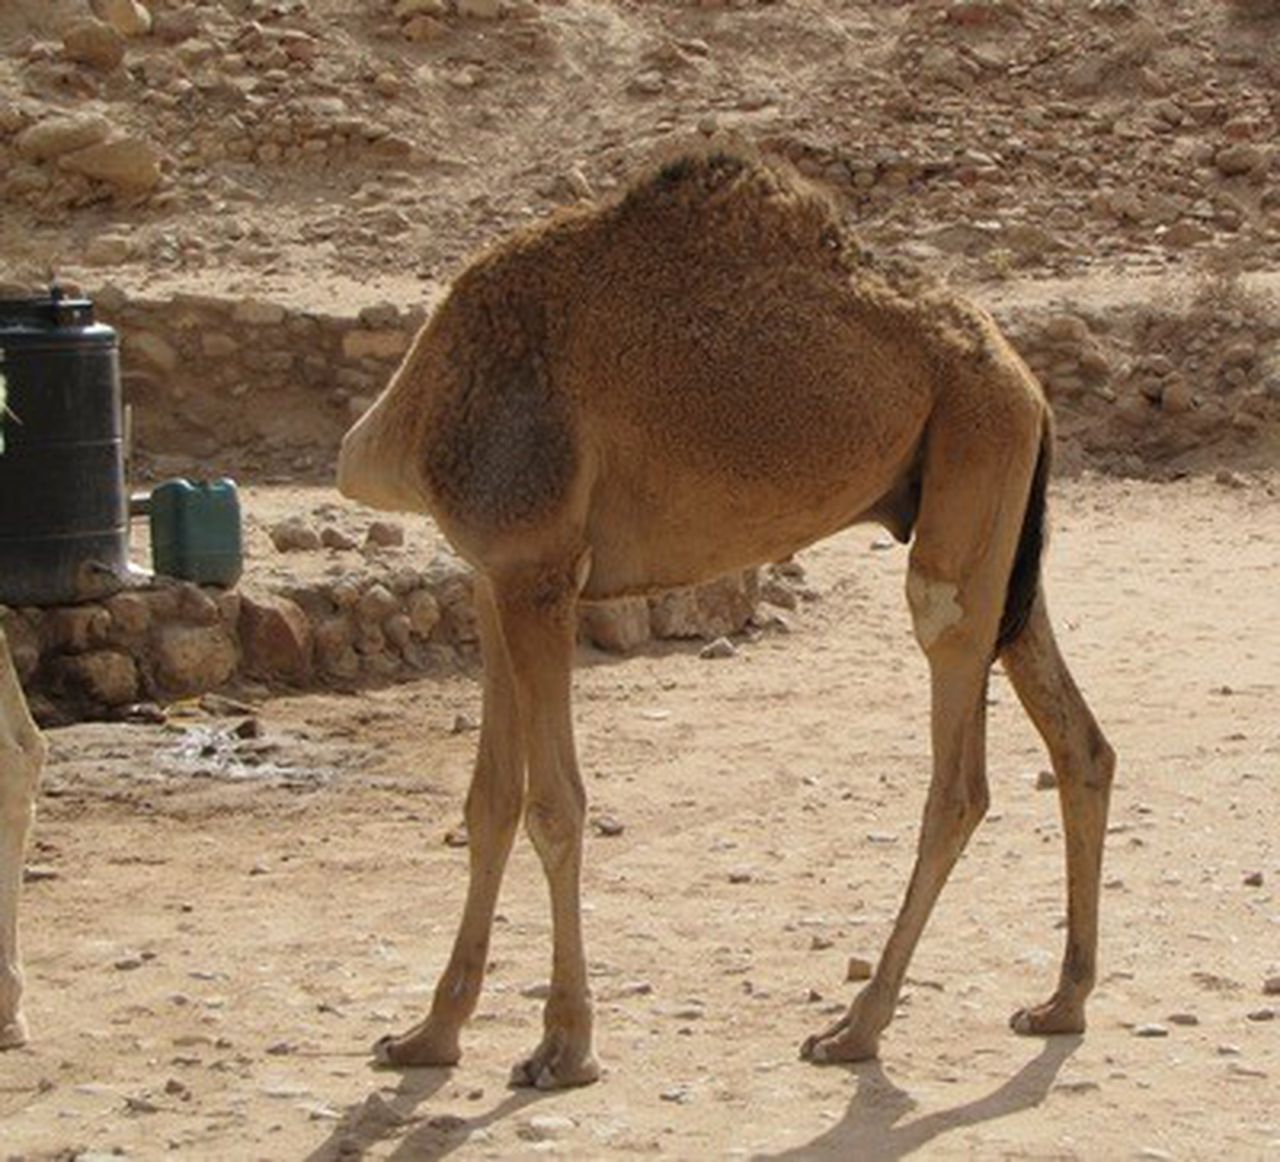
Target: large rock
column 616, row 626
column 191, row 659
column 94, row 43
column 130, row 164
column 58, row 135
column 106, row 677
column 276, row 637
column 127, row 17
column 713, row 610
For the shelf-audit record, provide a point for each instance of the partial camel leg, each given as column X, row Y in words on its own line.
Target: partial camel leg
column 970, row 518
column 22, row 752
column 1084, row 764
column 492, row 814
column 537, row 607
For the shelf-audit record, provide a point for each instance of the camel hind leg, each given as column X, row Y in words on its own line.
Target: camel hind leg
column 22, row 752
column 493, row 810
column 974, row 502
column 537, row 604
column 1084, row 763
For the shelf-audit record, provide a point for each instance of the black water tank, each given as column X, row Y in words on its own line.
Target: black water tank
column 63, row 509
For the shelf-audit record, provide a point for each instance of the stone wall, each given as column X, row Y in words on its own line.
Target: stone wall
column 257, row 388
column 175, row 639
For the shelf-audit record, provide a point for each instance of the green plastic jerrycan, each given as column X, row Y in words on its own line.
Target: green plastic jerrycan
column 195, row 531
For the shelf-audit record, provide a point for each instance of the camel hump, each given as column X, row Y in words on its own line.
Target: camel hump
column 737, row 199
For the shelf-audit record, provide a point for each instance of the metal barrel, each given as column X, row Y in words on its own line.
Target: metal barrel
column 63, row 506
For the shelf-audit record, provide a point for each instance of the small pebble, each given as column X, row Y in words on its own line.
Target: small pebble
column 1151, row 1029
column 675, row 1093
column 722, row 647
column 463, row 723
column 1262, row 1015
column 33, row 873
column 1253, row 880
column 820, row 943
column 538, row 991
column 859, row 969
column 1183, row 1019
column 260, row 869
column 128, row 963
column 1046, row 780
column 545, row 1128
column 741, row 876
column 608, row 826
column 1271, row 986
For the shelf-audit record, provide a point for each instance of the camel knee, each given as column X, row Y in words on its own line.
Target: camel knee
column 1102, row 761
column 555, row 826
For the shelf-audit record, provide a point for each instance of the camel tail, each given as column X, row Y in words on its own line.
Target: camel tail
column 1024, row 580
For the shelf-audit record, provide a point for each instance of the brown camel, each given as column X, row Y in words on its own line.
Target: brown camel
column 700, row 376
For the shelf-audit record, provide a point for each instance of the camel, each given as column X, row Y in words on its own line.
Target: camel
column 706, row 374
column 22, row 752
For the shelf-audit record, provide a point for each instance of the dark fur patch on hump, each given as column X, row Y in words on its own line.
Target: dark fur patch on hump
column 500, row 449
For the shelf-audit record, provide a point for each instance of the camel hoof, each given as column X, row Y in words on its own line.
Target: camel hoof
column 839, row 1048
column 412, row 1049
column 1047, row 1019
column 13, row 1033
column 555, row 1071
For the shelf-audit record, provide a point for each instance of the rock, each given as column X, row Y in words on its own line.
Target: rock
column 257, row 313
column 1240, row 158
column 58, row 135
column 105, row 676
column 1046, row 780
column 408, row 8
column 385, row 534
column 127, row 17
column 293, row 534
column 1271, row 986
column 332, row 537
column 617, row 626
column 1185, row 1019
column 1150, row 1030
column 608, row 826
column 1262, row 1015
column 424, row 612
column 1176, row 397
column 422, row 29
column 107, row 250
column 722, row 647
column 369, row 344
column 177, row 25
column 151, row 349
column 376, row 604
column 193, row 659
column 716, row 609
column 130, row 164
column 859, row 969
column 276, row 637
column 1253, row 879
column 546, row 1128
column 94, row 43
column 1183, row 234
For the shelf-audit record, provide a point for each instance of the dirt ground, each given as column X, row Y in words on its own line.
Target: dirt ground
column 213, row 946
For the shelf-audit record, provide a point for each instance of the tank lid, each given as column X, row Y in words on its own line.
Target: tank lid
column 52, row 310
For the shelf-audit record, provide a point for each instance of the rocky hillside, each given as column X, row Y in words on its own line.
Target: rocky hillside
column 332, row 154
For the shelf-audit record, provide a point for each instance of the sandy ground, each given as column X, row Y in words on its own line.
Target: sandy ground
column 212, row 946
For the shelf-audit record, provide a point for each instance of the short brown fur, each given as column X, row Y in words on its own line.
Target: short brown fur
column 703, row 375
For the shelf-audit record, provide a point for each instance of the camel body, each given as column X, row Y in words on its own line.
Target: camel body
column 701, row 376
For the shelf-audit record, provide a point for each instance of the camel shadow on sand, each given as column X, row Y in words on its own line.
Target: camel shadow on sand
column 875, row 1129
